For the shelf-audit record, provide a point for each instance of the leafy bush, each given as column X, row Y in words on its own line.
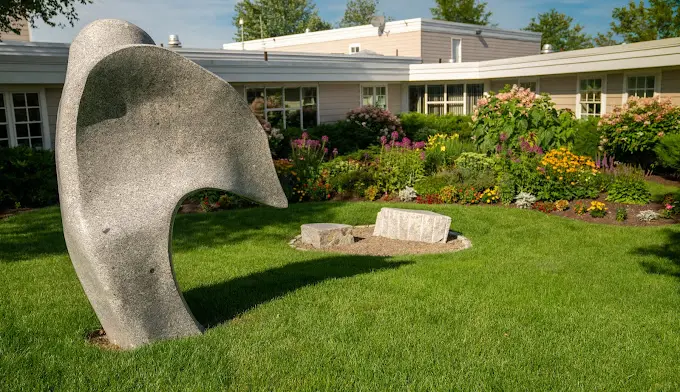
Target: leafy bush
column 349, row 177
column 434, row 184
column 502, row 119
column 407, row 194
column 524, row 200
column 522, row 174
column 400, row 164
column 27, row 177
column 474, row 161
column 417, row 125
column 567, row 176
column 371, row 193
column 302, row 177
column 621, row 214
column 668, row 152
column 375, row 121
column 506, row 188
column 647, row 215
column 544, row 206
column 629, row 187
column 587, row 137
column 442, row 151
column 580, row 208
column 632, row 132
column 345, row 136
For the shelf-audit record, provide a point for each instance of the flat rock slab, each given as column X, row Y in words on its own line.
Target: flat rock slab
column 324, row 235
column 412, row 225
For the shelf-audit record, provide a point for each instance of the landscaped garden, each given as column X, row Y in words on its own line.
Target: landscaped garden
column 544, row 299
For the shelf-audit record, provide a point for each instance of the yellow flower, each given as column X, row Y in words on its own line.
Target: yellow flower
column 443, row 148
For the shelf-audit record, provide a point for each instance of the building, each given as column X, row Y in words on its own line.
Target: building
column 303, row 89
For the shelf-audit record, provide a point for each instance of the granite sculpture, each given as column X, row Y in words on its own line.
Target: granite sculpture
column 140, row 127
column 412, row 225
column 325, row 235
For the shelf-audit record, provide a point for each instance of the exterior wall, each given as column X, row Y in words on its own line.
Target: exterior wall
column 670, row 85
column 408, row 45
column 499, row 84
column 335, row 100
column 562, row 89
column 394, row 98
column 24, row 35
column 614, row 91
column 52, row 97
column 438, row 45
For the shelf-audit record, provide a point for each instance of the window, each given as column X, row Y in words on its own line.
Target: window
column 21, row 120
column 529, row 85
column 456, row 50
column 374, row 96
column 354, row 48
column 641, row 86
column 440, row 99
column 590, row 96
column 416, row 99
column 284, row 107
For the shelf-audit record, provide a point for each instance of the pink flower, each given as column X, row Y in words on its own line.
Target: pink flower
column 324, row 139
column 305, row 136
column 395, row 135
column 335, row 152
column 383, row 140
column 669, row 207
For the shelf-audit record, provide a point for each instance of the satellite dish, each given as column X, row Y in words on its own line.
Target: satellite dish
column 379, row 22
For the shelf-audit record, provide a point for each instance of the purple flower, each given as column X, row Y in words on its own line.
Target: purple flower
column 499, row 148
column 325, row 151
column 305, row 136
column 419, row 145
column 335, row 152
column 324, row 139
column 405, row 142
column 422, row 155
column 383, row 140
column 395, row 135
column 503, row 137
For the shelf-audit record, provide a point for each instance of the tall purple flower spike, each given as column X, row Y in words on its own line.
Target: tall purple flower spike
column 139, row 128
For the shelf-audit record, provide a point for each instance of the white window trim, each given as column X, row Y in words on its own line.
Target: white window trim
column 9, row 112
column 531, row 80
column 603, row 103
column 657, row 83
column 387, row 93
column 349, row 50
column 426, row 98
column 284, row 87
column 460, row 50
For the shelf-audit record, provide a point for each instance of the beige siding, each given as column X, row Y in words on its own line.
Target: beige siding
column 670, row 85
column 24, row 34
column 394, row 98
column 408, row 44
column 499, row 84
column 335, row 100
column 562, row 89
column 52, row 96
column 614, row 91
column 437, row 46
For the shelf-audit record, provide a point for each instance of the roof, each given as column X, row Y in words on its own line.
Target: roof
column 395, row 27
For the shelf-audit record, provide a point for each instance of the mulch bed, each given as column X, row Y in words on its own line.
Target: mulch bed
column 11, row 212
column 367, row 245
column 98, row 338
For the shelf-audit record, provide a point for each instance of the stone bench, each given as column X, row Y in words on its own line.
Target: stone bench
column 412, row 225
column 324, row 235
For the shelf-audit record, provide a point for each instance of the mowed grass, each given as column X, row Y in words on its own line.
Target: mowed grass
column 539, row 303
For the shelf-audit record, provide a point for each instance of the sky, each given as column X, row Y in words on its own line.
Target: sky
column 208, row 23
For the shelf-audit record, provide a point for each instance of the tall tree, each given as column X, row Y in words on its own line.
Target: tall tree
column 32, row 11
column 639, row 22
column 558, row 31
column 359, row 12
column 274, row 18
column 462, row 11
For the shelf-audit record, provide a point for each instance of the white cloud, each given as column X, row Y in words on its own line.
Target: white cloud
column 199, row 23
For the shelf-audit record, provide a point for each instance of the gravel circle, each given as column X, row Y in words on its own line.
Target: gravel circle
column 367, row 245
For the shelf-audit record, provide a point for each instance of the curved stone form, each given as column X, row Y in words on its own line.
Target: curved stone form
column 140, row 127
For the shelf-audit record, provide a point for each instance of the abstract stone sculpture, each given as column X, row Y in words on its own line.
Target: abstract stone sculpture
column 139, row 128
column 412, row 225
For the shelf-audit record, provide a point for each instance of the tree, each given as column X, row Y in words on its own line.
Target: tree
column 605, row 39
column 274, row 18
column 359, row 12
column 639, row 22
column 12, row 11
column 558, row 31
column 462, row 11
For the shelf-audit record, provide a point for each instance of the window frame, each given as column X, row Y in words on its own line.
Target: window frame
column 351, row 46
column 446, row 102
column 373, row 86
column 283, row 109
column 637, row 74
column 459, row 52
column 603, row 93
column 7, row 92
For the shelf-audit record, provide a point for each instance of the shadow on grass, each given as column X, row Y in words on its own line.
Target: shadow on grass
column 221, row 302
column 668, row 255
column 31, row 234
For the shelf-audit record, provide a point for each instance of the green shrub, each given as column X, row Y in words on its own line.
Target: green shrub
column 506, row 188
column 504, row 121
column 629, row 187
column 631, row 133
column 349, row 177
column 27, row 177
column 587, row 137
column 522, row 174
column 434, row 184
column 345, row 136
column 668, row 152
column 399, row 167
column 567, row 176
column 375, row 122
column 474, row 161
column 621, row 214
column 417, row 126
column 442, row 151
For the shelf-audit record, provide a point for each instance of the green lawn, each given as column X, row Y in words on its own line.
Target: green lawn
column 539, row 303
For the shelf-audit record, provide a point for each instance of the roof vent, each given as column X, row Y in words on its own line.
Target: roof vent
column 547, row 49
column 173, row 41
